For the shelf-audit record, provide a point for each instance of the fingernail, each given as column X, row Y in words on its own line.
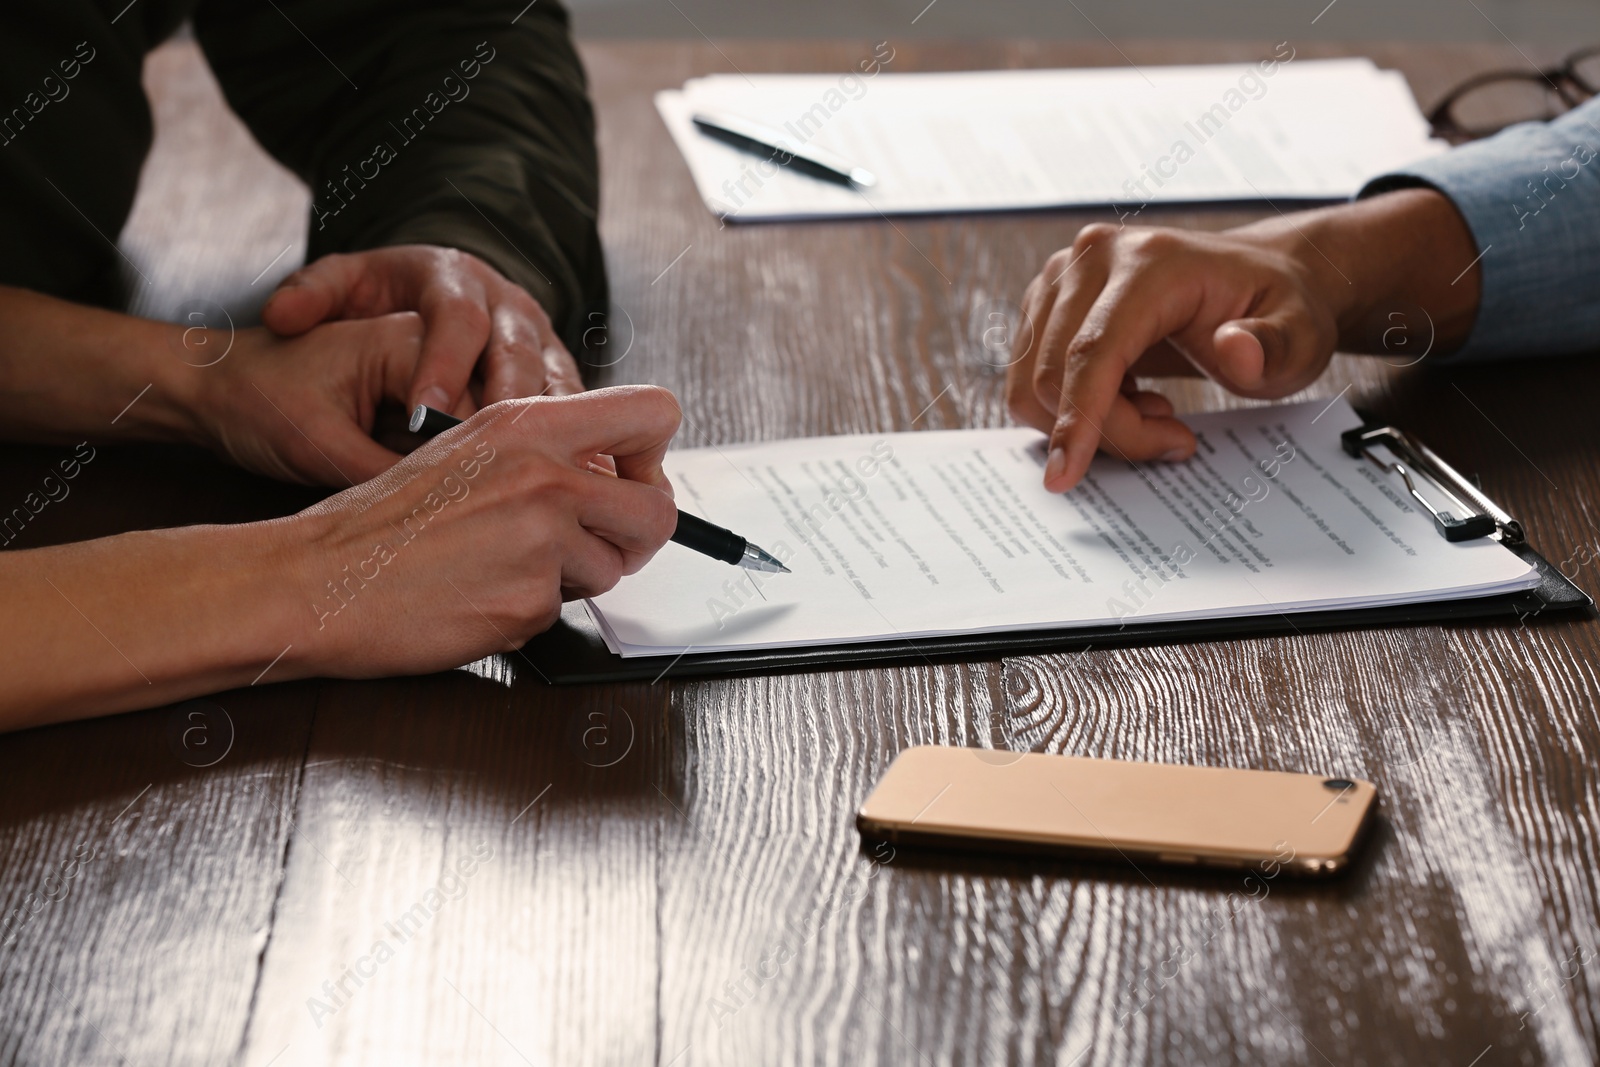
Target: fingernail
column 1056, row 465
column 1173, row 455
column 436, row 398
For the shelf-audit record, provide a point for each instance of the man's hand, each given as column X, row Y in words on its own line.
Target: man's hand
column 1259, row 310
column 485, row 338
column 1245, row 312
column 302, row 409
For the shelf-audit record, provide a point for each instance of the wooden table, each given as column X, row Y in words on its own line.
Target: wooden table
column 669, row 873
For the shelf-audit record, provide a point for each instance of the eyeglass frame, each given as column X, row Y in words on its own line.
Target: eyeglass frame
column 1563, row 79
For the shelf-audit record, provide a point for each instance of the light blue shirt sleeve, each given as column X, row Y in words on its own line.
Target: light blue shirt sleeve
column 1531, row 196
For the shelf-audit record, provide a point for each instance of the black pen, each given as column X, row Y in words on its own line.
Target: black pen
column 765, row 141
column 693, row 532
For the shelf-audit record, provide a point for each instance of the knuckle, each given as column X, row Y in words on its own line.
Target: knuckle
column 472, row 312
column 463, row 262
column 1086, row 343
column 1158, row 241
column 451, row 258
column 1093, row 235
column 511, row 339
column 1043, row 379
column 1060, row 261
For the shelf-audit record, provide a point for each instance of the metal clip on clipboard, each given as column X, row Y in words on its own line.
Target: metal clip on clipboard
column 1474, row 514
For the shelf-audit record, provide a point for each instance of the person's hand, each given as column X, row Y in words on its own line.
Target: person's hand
column 486, row 339
column 302, row 409
column 466, row 547
column 471, row 544
column 1242, row 307
column 1258, row 309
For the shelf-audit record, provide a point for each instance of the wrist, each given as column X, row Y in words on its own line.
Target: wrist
column 182, row 613
column 232, row 599
column 245, row 605
column 165, row 387
column 192, row 370
column 73, row 373
column 312, row 581
column 1377, row 263
column 1324, row 249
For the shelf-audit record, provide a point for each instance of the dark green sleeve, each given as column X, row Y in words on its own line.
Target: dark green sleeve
column 443, row 123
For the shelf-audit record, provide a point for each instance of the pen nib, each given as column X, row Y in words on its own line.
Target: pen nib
column 759, row 559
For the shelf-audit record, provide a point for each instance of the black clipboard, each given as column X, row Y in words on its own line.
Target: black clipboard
column 574, row 652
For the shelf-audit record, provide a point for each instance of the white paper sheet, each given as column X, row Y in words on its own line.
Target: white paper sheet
column 999, row 140
column 945, row 532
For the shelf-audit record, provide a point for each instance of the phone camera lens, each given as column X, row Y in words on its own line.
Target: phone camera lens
column 1338, row 784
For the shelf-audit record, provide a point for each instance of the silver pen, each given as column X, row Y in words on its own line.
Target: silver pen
column 773, row 144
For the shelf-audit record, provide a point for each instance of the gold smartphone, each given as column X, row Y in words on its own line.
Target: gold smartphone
column 974, row 798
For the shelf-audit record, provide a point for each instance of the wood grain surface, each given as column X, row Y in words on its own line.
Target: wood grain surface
column 475, row 867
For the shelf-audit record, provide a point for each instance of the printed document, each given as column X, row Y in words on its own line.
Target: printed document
column 1004, row 140
column 908, row 535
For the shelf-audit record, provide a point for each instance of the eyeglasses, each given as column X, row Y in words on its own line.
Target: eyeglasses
column 1487, row 103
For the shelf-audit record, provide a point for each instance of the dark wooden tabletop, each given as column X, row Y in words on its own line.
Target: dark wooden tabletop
column 474, row 867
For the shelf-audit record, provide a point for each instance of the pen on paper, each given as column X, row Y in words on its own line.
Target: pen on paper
column 693, row 532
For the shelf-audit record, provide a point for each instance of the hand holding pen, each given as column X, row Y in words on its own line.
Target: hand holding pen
column 692, row 532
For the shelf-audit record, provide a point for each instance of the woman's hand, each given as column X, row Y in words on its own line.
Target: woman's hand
column 471, row 544
column 467, row 546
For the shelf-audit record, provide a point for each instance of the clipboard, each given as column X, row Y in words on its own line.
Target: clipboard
column 574, row 652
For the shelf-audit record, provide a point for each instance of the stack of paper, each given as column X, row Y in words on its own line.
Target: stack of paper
column 1282, row 128
column 952, row 532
